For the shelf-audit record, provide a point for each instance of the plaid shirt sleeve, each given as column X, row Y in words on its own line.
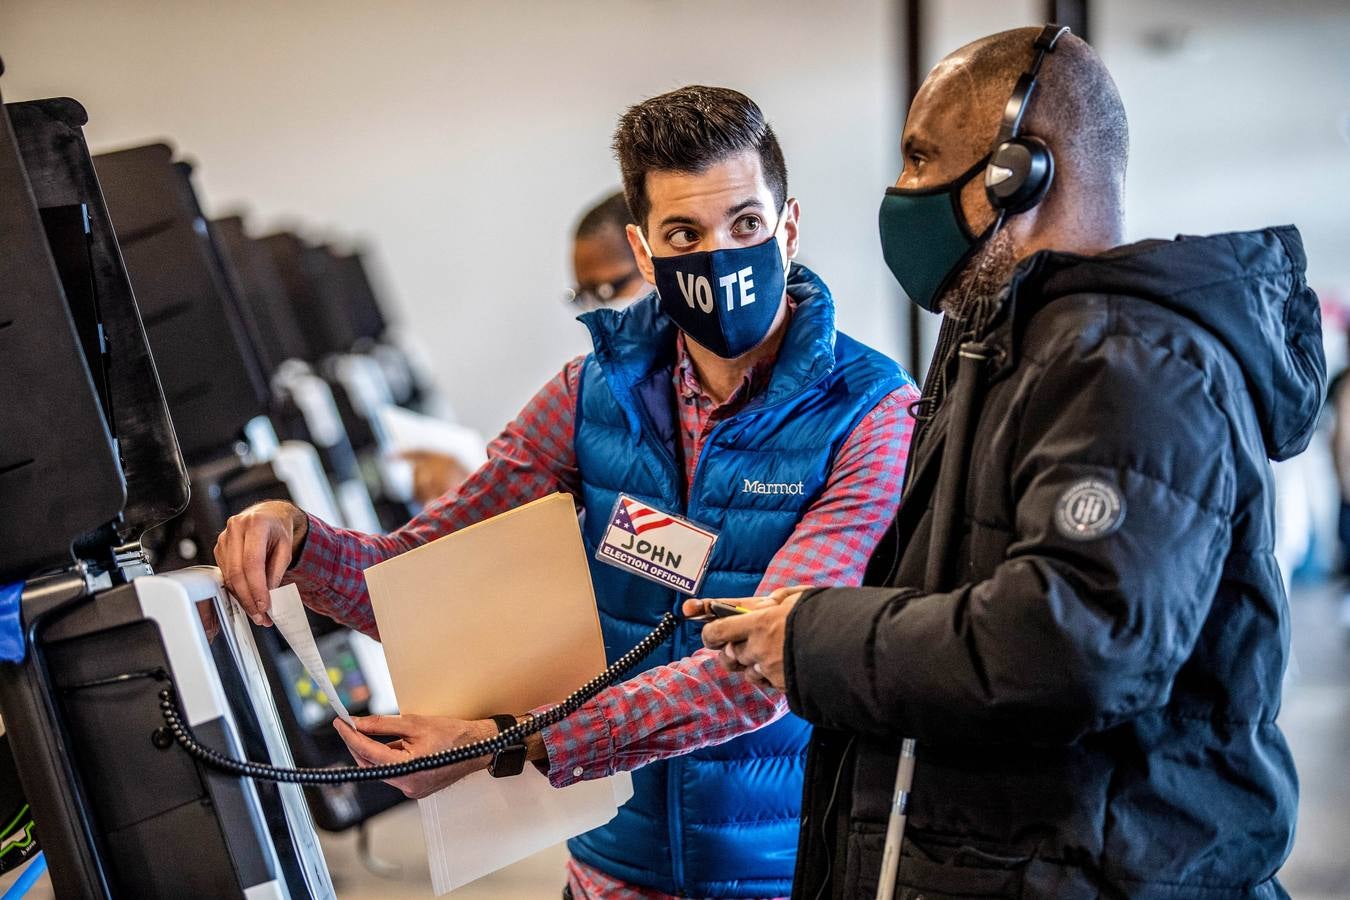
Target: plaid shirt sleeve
column 533, row 457
column 695, row 702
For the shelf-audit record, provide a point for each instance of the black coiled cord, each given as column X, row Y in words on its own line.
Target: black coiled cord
column 341, row 774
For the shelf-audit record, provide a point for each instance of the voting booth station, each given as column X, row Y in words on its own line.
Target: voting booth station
column 176, row 370
column 180, row 373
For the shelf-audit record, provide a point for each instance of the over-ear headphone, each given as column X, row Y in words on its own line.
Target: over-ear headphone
column 1021, row 168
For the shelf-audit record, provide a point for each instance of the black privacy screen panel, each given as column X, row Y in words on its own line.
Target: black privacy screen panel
column 263, row 293
column 314, row 288
column 363, row 305
column 205, row 358
column 61, row 175
column 59, row 475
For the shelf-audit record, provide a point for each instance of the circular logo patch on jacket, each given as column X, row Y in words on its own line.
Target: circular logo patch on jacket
column 1089, row 509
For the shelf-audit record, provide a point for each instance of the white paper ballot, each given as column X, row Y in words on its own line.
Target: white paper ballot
column 288, row 614
column 478, row 825
column 407, row 430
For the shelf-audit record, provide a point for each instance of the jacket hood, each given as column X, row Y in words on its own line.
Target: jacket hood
column 1247, row 288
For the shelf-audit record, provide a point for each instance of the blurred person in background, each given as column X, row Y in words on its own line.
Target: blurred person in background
column 607, row 276
column 1338, row 400
column 433, row 474
column 606, row 272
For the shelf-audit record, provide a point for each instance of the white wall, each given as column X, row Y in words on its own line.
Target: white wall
column 1239, row 111
column 462, row 139
column 1239, row 118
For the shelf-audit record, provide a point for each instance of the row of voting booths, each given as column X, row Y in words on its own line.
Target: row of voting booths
column 159, row 372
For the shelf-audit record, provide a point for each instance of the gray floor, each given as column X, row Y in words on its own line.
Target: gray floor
column 1316, row 718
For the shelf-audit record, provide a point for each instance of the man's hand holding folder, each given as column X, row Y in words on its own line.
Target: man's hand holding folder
column 415, row 736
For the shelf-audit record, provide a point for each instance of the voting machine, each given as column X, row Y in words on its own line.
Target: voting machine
column 89, row 635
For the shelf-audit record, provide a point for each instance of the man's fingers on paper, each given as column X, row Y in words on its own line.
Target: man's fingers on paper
column 349, row 737
column 381, row 755
column 366, row 750
column 361, row 758
column 253, row 564
column 225, row 553
column 403, row 726
column 783, row 593
column 369, row 752
column 277, row 562
column 218, row 553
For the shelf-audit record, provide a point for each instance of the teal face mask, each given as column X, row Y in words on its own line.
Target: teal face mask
column 925, row 238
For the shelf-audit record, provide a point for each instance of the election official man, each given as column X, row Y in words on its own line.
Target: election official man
column 1076, row 617
column 726, row 399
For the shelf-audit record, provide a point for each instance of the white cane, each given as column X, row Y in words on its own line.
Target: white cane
column 895, row 828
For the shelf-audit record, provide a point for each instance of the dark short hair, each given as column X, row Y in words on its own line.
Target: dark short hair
column 689, row 130
column 611, row 212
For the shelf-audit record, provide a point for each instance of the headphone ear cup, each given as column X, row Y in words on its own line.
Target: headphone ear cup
column 1019, row 174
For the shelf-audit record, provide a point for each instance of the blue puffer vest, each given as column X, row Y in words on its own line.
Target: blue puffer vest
column 721, row 821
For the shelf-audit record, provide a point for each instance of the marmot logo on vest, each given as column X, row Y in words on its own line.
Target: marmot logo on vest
column 760, row 487
column 1089, row 509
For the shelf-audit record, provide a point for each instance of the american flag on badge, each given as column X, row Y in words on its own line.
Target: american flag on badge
column 635, row 518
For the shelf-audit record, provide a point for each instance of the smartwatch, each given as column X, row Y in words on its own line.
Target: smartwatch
column 509, row 760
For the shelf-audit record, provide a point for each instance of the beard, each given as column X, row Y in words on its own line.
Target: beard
column 971, row 295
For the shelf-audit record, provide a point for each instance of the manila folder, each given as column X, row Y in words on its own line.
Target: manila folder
column 498, row 617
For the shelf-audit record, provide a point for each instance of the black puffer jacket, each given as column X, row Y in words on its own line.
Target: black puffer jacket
column 1078, row 614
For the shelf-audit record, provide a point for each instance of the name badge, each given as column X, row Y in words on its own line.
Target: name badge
column 656, row 545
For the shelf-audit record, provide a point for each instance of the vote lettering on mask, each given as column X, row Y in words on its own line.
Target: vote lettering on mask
column 690, row 286
column 698, row 293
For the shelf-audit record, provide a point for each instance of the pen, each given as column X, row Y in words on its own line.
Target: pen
column 719, row 609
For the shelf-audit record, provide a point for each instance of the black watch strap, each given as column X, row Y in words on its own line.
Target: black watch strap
column 509, row 760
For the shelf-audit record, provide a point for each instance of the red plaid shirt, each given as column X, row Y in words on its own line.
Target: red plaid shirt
column 672, row 709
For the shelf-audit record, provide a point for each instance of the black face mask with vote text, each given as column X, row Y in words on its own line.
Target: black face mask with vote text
column 726, row 299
